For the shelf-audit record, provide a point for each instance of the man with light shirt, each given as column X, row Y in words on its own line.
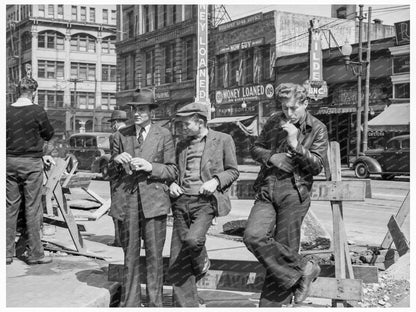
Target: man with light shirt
column 141, row 167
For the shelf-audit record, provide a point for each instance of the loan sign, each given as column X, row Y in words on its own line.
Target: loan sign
column 202, row 94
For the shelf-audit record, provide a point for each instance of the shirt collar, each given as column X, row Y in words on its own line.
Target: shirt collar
column 22, row 102
column 146, row 129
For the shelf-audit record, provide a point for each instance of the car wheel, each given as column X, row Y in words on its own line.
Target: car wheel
column 104, row 168
column 361, row 171
column 387, row 176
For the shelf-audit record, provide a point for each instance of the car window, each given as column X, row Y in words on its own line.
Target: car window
column 393, row 144
column 406, row 143
column 103, row 142
column 90, row 142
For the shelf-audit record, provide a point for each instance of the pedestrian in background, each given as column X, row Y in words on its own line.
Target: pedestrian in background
column 27, row 127
column 207, row 166
column 118, row 120
column 141, row 167
column 292, row 148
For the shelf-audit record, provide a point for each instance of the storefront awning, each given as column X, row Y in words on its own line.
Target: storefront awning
column 250, row 130
column 395, row 118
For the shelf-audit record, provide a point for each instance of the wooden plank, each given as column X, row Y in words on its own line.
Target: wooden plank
column 338, row 190
column 338, row 289
column 105, row 204
column 400, row 218
column 60, row 223
column 71, row 173
column 398, row 236
column 83, row 204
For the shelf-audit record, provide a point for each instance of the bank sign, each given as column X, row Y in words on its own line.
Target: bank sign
column 317, row 88
column 247, row 93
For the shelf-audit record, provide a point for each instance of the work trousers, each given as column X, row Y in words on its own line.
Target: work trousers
column 24, row 178
column 153, row 231
column 273, row 236
column 193, row 216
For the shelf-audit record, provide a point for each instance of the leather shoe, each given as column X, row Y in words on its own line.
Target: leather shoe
column 43, row 260
column 9, row 260
column 310, row 273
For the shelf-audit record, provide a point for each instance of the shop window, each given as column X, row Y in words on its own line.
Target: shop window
column 402, row 90
column 92, row 15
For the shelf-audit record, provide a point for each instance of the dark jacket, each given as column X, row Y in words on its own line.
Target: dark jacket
column 218, row 160
column 309, row 157
column 151, row 188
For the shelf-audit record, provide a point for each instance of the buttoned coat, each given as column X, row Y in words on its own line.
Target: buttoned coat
column 151, row 188
column 218, row 160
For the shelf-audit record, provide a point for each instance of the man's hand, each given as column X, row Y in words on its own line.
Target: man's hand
column 282, row 161
column 48, row 160
column 209, row 187
column 141, row 164
column 175, row 190
column 123, row 158
column 292, row 134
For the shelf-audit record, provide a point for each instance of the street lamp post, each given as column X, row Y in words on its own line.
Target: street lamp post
column 74, row 109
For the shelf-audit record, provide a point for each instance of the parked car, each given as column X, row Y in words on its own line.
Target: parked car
column 91, row 150
column 392, row 160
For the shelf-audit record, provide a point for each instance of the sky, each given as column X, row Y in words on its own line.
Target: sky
column 389, row 14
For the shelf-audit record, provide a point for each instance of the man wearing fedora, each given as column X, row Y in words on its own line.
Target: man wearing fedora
column 141, row 167
column 207, row 166
column 118, row 120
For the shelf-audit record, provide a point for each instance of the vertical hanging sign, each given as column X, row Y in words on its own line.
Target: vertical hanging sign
column 202, row 82
column 317, row 88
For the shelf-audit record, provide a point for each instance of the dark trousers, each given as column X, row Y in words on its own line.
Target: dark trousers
column 192, row 218
column 153, row 231
column 273, row 236
column 24, row 180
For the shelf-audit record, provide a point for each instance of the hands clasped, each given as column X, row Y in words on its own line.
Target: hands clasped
column 208, row 188
column 133, row 163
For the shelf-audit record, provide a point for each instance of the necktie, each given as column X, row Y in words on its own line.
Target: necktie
column 140, row 138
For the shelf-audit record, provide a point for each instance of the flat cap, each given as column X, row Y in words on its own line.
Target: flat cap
column 193, row 108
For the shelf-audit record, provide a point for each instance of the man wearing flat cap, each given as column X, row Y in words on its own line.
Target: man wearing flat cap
column 207, row 166
column 141, row 167
column 291, row 149
column 118, row 120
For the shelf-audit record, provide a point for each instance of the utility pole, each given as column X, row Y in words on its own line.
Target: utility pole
column 367, row 83
column 360, row 60
column 74, row 109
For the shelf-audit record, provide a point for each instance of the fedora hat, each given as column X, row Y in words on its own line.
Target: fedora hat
column 118, row 115
column 143, row 97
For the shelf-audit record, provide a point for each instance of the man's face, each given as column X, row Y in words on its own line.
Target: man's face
column 294, row 110
column 141, row 115
column 190, row 126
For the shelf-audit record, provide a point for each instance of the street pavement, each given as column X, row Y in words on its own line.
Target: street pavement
column 79, row 281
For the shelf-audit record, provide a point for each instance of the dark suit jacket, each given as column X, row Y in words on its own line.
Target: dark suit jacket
column 218, row 160
column 158, row 149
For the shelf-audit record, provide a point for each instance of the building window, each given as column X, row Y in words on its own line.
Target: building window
column 188, row 12
column 41, row 10
column 83, row 100
column 108, row 72
column 83, row 14
column 164, row 15
column 234, row 68
column 108, row 45
column 108, row 101
column 174, row 17
column 150, row 68
column 248, row 68
column 188, row 60
column 74, row 13
column 266, row 63
column 169, row 65
column 146, row 19
column 50, row 69
column 26, row 41
column 401, row 64
column 128, row 71
column 402, row 91
column 51, row 40
column 51, row 10
column 342, row 12
column 221, row 71
column 130, row 21
column 60, row 11
column 83, row 43
column 83, row 71
column 156, row 17
column 113, row 16
column 105, row 16
column 49, row 98
column 92, row 15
